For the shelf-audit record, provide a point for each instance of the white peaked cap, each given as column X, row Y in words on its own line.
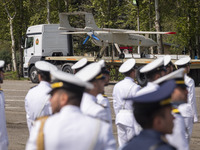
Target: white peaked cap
column 102, row 63
column 127, row 66
column 82, row 62
column 183, row 61
column 45, row 66
column 174, row 75
column 167, row 59
column 152, row 65
column 89, row 72
column 70, row 78
column 2, row 63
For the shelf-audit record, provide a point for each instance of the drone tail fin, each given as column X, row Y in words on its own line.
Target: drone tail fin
column 64, row 22
column 90, row 22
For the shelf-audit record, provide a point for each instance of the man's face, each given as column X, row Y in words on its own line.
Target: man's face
column 55, row 101
column 167, row 121
column 1, row 76
column 107, row 79
column 169, row 69
column 180, row 94
column 162, row 73
column 187, row 69
column 100, row 86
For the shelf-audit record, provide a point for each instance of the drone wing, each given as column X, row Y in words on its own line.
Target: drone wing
column 133, row 31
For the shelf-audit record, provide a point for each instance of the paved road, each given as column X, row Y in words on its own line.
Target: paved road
column 15, row 92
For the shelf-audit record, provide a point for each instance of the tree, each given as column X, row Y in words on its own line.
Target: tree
column 157, row 26
column 11, row 17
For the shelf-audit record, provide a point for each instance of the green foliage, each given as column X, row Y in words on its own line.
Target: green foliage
column 5, row 52
column 12, row 76
column 182, row 17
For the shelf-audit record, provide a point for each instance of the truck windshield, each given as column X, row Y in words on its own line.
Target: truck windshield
column 29, row 42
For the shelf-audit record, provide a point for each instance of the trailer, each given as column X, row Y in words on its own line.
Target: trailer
column 45, row 42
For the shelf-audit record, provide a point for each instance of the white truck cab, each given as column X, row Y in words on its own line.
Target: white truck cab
column 42, row 41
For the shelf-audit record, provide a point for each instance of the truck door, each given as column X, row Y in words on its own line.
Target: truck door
column 29, row 49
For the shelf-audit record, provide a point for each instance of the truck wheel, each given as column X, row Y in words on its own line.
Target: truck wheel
column 34, row 75
column 67, row 69
column 141, row 78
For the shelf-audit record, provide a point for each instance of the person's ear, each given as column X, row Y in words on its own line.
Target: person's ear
column 158, row 123
column 39, row 77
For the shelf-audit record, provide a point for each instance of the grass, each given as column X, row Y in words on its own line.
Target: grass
column 11, row 75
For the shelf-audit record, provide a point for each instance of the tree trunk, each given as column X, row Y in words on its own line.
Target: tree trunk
column 48, row 12
column 19, row 41
column 14, row 61
column 66, row 5
column 13, row 45
column 157, row 26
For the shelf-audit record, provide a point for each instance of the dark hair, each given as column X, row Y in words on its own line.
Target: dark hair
column 129, row 72
column 183, row 66
column 151, row 75
column 146, row 118
column 45, row 76
column 74, row 97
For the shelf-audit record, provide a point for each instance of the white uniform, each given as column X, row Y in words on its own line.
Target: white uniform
column 192, row 96
column 178, row 138
column 189, row 110
column 89, row 106
column 37, row 103
column 3, row 130
column 103, row 101
column 70, row 129
column 127, row 127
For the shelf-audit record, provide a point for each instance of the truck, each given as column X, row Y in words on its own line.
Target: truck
column 42, row 41
column 45, row 42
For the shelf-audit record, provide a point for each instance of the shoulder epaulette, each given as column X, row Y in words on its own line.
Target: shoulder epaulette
column 176, row 111
column 105, row 96
column 1, row 89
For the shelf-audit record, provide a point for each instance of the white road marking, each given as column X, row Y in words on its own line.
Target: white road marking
column 14, row 100
column 14, row 107
column 14, row 90
column 14, row 96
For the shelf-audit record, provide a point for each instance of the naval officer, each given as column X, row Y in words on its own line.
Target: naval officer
column 152, row 71
column 179, row 96
column 189, row 110
column 153, row 112
column 37, row 99
column 3, row 130
column 69, row 128
column 168, row 64
column 102, row 99
column 92, row 73
column 126, row 124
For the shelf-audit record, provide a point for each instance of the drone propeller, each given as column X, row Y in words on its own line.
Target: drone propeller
column 86, row 39
column 90, row 34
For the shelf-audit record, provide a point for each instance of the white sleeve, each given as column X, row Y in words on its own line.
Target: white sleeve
column 192, row 99
column 116, row 100
column 32, row 141
column 108, row 138
column 28, row 118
